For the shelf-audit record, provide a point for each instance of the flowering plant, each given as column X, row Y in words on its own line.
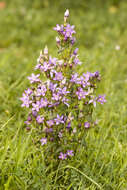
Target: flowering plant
column 60, row 101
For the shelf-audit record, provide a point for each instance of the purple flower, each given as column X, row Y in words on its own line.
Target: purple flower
column 43, row 102
column 54, row 104
column 59, row 119
column 56, row 97
column 74, row 78
column 84, row 81
column 57, row 28
column 69, row 30
column 52, row 61
column 38, row 66
column 34, row 113
column 62, row 156
column 81, row 93
column 36, row 106
column 65, row 101
column 87, row 125
column 26, row 101
column 29, row 118
column 87, row 76
column 34, row 78
column 70, row 153
column 73, row 39
column 41, row 90
column 28, row 92
column 43, row 141
column 40, row 119
column 101, row 99
column 50, row 122
column 77, row 62
column 58, row 76
column 52, row 86
column 45, row 67
column 63, row 91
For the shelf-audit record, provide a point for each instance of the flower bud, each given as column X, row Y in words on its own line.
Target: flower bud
column 57, row 40
column 29, row 118
column 75, row 51
column 46, row 50
column 66, row 14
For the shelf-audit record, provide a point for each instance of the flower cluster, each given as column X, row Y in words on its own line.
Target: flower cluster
column 60, row 101
column 64, row 156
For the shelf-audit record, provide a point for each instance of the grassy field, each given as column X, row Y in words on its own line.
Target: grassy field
column 25, row 28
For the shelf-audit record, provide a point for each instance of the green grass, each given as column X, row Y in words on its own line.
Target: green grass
column 25, row 28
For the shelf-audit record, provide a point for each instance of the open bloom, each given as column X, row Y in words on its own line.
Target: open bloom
column 63, row 91
column 28, row 92
column 43, row 102
column 40, row 119
column 45, row 67
column 26, row 100
column 43, row 141
column 50, row 122
column 36, row 106
column 70, row 153
column 75, row 78
column 81, row 93
column 87, row 125
column 56, row 97
column 62, row 156
column 34, row 78
column 41, row 90
column 58, row 76
column 101, row 99
column 69, row 30
column 59, row 119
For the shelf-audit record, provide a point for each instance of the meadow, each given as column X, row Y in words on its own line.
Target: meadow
column 25, row 28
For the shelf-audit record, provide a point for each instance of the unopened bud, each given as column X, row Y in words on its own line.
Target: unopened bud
column 57, row 40
column 46, row 50
column 75, row 51
column 66, row 14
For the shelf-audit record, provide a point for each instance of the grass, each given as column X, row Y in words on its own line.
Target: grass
column 25, row 29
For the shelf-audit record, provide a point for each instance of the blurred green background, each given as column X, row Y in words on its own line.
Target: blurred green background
column 101, row 26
